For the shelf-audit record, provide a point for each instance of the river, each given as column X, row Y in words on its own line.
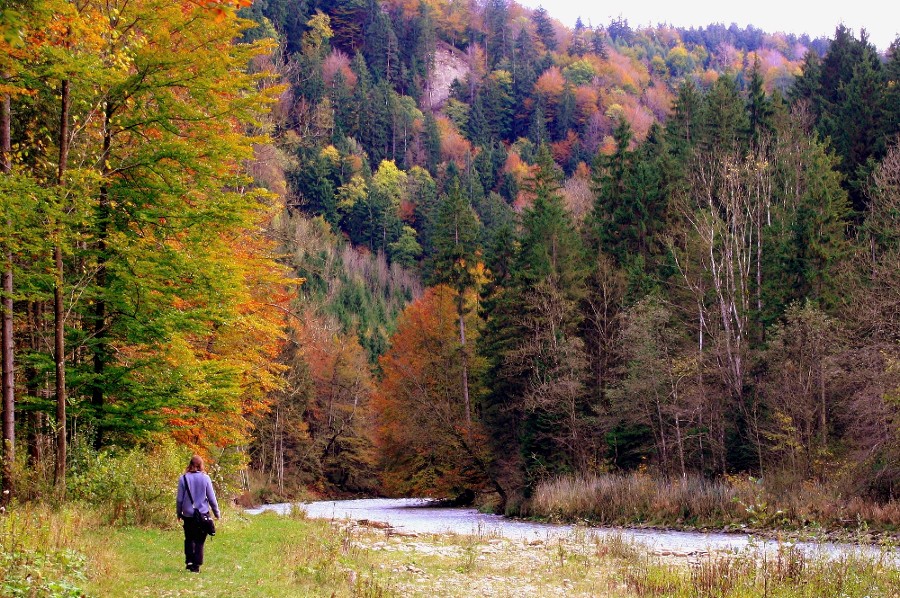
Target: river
column 417, row 516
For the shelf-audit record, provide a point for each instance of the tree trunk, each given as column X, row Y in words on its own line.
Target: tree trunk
column 823, row 405
column 680, row 446
column 465, row 366
column 59, row 339
column 100, row 330
column 6, row 338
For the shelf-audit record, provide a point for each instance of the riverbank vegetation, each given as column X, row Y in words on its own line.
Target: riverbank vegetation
column 732, row 503
column 630, row 275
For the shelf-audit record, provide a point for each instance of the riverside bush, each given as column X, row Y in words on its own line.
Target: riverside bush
column 635, row 498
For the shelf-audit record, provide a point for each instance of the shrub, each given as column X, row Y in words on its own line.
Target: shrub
column 134, row 487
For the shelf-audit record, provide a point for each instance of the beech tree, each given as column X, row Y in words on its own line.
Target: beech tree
column 148, row 270
column 427, row 444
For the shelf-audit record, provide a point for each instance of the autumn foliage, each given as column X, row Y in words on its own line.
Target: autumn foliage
column 427, row 448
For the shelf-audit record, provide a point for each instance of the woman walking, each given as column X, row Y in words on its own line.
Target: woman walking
column 195, row 493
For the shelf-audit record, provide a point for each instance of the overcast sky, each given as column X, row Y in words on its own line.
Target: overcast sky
column 881, row 18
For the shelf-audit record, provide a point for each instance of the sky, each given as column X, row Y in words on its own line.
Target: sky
column 880, row 18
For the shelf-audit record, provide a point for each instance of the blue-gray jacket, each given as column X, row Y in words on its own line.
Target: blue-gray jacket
column 202, row 492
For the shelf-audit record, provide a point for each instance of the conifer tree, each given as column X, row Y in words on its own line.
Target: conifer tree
column 597, row 44
column 477, row 129
column 759, row 107
column 724, row 117
column 565, row 114
column 850, row 105
column 539, row 357
column 537, row 129
column 456, row 264
column 808, row 85
column 499, row 39
column 683, row 128
column 381, row 49
column 892, row 92
column 543, row 27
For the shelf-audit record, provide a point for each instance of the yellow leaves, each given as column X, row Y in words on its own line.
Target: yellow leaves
column 517, row 167
column 331, row 154
column 318, row 34
column 355, row 190
column 389, row 181
column 502, row 77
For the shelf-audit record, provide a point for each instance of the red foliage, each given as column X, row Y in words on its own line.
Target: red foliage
column 338, row 62
column 562, row 150
column 427, row 447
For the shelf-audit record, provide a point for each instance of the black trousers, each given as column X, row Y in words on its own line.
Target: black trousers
column 194, row 538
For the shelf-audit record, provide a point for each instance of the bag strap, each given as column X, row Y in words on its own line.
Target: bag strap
column 187, row 487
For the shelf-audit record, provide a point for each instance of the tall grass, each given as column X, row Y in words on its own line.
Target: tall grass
column 635, row 498
column 789, row 572
column 40, row 550
column 42, row 536
column 693, row 501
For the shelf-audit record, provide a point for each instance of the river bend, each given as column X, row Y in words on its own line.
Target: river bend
column 416, row 516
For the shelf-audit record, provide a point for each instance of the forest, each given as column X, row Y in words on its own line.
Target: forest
column 446, row 248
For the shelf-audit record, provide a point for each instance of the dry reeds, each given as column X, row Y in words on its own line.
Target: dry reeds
column 635, row 498
column 694, row 501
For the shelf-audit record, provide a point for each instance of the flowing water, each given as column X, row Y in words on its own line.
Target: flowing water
column 419, row 516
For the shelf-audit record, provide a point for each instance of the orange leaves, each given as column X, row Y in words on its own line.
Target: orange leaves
column 520, row 171
column 551, row 83
column 337, row 363
column 454, row 147
column 585, row 102
column 516, row 166
column 426, row 445
column 219, row 8
column 624, row 72
column 562, row 150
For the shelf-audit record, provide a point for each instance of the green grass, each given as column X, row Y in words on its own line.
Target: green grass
column 264, row 555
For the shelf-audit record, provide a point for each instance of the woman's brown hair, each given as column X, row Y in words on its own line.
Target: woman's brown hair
column 195, row 465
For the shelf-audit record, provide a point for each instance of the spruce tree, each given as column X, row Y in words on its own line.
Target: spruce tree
column 544, row 28
column 891, row 117
column 808, row 85
column 456, row 264
column 759, row 106
column 565, row 114
column 724, row 117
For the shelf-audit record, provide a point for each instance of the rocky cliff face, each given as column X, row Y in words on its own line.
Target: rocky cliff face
column 449, row 64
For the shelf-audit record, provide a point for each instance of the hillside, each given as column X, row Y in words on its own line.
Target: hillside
column 630, row 238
